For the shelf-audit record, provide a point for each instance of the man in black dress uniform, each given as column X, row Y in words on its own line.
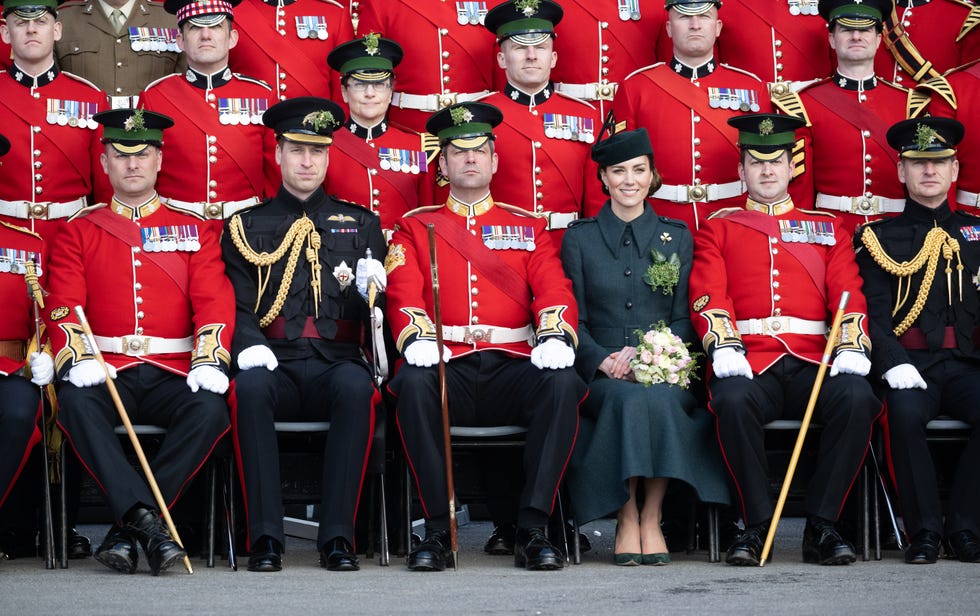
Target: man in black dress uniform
column 921, row 274
column 299, row 330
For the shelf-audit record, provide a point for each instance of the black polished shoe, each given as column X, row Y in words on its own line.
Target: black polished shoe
column 78, row 545
column 501, row 542
column 965, row 546
column 118, row 551
column 18, row 543
column 338, row 555
column 822, row 544
column 534, row 552
column 433, row 554
column 266, row 555
column 924, row 548
column 160, row 548
column 747, row 548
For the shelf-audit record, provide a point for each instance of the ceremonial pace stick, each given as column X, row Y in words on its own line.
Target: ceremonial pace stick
column 443, row 399
column 378, row 377
column 144, row 464
column 37, row 297
column 805, row 424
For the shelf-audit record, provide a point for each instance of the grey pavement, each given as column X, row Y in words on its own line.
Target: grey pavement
column 492, row 585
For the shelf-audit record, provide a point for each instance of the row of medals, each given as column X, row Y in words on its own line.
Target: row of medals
column 252, row 115
column 15, row 261
column 158, row 39
column 474, row 13
column 75, row 118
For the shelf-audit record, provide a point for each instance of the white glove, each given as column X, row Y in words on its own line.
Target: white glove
column 851, row 362
column 42, row 369
column 207, row 378
column 904, row 376
column 368, row 271
column 425, row 353
column 88, row 373
column 255, row 356
column 726, row 362
column 553, row 354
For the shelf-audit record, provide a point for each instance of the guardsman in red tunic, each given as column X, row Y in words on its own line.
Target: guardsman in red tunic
column 502, row 290
column 47, row 114
column 848, row 167
column 965, row 82
column 450, row 53
column 21, row 400
column 221, row 157
column 604, row 41
column 684, row 104
column 778, row 40
column 926, row 38
column 546, row 136
column 284, row 42
column 372, row 163
column 154, row 288
column 766, row 280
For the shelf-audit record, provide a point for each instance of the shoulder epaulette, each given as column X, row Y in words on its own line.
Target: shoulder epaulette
column 921, row 94
column 19, row 228
column 81, row 79
column 969, row 212
column 578, row 222
column 513, row 209
column 961, row 67
column 723, row 212
column 789, row 102
column 430, row 145
column 971, row 21
column 191, row 213
column 573, row 98
column 674, row 222
column 164, row 78
column 333, row 2
column 351, row 204
column 85, row 211
column 740, row 70
column 422, row 210
column 817, row 212
column 645, row 68
column 254, row 80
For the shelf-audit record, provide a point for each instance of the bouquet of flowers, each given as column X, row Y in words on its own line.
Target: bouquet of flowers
column 662, row 357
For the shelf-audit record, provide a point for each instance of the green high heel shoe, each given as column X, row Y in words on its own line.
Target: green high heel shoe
column 657, row 559
column 627, row 559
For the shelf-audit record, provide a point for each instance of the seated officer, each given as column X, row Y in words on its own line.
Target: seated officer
column 503, row 287
column 155, row 292
column 924, row 330
column 298, row 334
column 766, row 280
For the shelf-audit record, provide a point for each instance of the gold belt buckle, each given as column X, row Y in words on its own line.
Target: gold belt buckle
column 445, row 100
column 865, row 206
column 135, row 345
column 604, row 91
column 213, row 211
column 698, row 192
column 38, row 210
column 477, row 334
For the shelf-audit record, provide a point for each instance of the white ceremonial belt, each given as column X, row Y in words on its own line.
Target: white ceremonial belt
column 433, row 102
column 967, row 198
column 41, row 210
column 865, row 206
column 486, row 333
column 588, row 91
column 772, row 326
column 684, row 193
column 215, row 210
column 144, row 345
column 558, row 220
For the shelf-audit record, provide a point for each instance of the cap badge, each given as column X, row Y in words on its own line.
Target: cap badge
column 461, row 115
column 371, row 43
column 135, row 121
column 528, row 7
column 765, row 127
column 319, row 120
column 925, row 137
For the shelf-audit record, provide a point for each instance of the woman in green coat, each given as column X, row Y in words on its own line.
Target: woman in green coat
column 629, row 270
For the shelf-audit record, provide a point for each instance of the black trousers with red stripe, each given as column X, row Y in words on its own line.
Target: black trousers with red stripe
column 489, row 388
column 195, row 422
column 311, row 389
column 19, row 407
column 846, row 409
column 953, row 389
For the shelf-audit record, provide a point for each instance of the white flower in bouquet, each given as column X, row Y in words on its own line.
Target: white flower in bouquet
column 662, row 357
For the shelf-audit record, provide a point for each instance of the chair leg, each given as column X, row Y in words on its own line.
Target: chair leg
column 564, row 528
column 407, row 495
column 876, row 519
column 714, row 551
column 212, row 491
column 372, row 522
column 692, row 525
column 383, row 515
column 865, row 515
column 228, row 490
column 63, row 547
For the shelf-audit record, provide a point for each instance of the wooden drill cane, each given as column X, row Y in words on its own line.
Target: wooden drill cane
column 37, row 301
column 805, row 424
column 443, row 397
column 144, row 464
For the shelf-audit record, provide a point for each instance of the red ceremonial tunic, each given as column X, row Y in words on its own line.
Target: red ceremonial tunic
column 536, row 293
column 849, row 166
column 17, row 245
column 443, row 58
column 383, row 168
column 685, row 110
column 749, row 265
column 211, row 155
column 545, row 164
column 932, row 26
column 966, row 86
column 765, row 38
column 157, row 274
column 287, row 46
column 54, row 147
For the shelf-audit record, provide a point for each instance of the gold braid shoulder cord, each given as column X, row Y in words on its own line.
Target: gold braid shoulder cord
column 937, row 241
column 302, row 229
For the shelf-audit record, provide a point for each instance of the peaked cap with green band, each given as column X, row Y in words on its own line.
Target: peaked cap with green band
column 857, row 14
column 30, row 9
column 465, row 125
column 929, row 137
column 130, row 130
column 766, row 135
column 526, row 22
column 369, row 58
